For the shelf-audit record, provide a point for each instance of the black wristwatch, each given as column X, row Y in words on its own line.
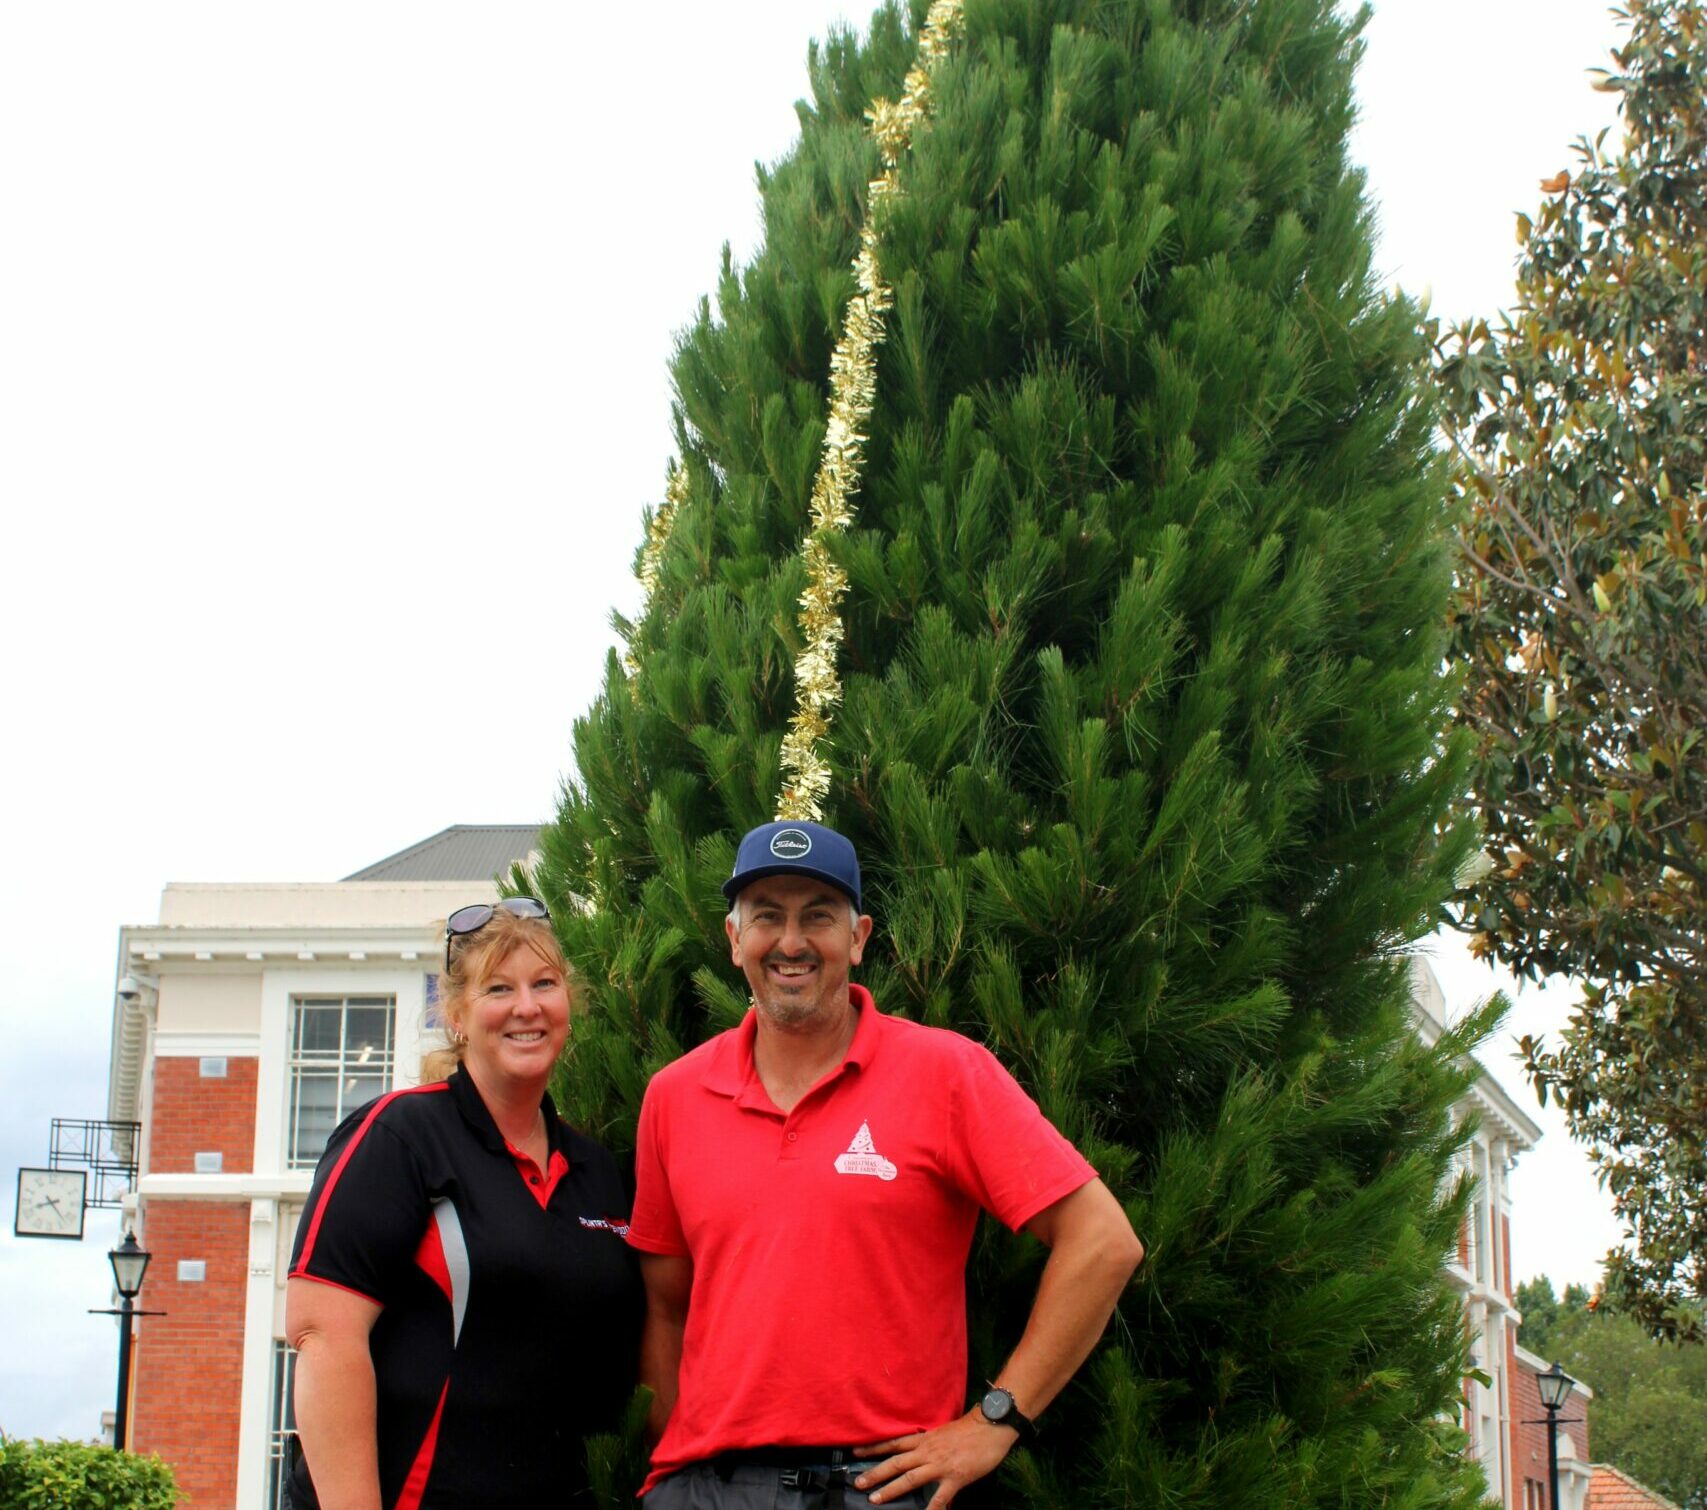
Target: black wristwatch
column 999, row 1410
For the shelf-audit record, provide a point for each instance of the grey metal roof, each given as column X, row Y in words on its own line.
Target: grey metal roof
column 462, row 852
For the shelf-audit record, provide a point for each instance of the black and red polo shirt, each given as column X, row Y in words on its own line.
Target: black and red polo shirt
column 512, row 1303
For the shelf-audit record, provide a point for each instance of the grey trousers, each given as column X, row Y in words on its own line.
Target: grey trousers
column 699, row 1486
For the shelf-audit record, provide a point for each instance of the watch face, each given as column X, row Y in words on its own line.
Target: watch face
column 50, row 1203
column 996, row 1404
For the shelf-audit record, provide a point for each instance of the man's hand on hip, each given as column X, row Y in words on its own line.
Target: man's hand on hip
column 950, row 1456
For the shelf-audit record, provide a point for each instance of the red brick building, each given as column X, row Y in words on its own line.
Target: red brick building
column 1529, row 1440
column 1482, row 1273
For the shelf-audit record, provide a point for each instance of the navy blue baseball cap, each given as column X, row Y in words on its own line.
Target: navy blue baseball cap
column 790, row 848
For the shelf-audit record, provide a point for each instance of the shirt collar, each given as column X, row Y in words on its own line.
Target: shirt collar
column 476, row 1114
column 730, row 1070
column 864, row 1043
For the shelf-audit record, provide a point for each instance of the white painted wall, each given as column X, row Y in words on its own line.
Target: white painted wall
column 206, row 1001
column 317, row 904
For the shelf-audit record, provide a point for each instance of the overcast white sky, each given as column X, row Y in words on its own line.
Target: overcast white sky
column 332, row 384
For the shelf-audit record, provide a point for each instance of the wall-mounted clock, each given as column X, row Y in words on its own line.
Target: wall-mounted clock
column 50, row 1203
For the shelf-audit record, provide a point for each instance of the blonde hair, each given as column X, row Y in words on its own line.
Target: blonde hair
column 474, row 958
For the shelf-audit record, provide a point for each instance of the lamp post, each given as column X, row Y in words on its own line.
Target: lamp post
column 130, row 1263
column 1555, row 1387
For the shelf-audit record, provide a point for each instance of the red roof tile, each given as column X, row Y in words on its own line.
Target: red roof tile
column 1609, row 1489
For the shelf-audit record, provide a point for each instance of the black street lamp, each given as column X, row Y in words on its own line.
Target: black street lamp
column 1555, row 1387
column 130, row 1263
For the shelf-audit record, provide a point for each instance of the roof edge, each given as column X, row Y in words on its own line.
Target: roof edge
column 432, row 841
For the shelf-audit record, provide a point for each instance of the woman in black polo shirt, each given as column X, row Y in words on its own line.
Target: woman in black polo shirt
column 463, row 1302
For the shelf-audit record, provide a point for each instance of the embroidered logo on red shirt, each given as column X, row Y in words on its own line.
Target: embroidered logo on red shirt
column 862, row 1157
column 605, row 1224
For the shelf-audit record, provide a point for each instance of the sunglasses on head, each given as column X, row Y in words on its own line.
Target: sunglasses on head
column 474, row 917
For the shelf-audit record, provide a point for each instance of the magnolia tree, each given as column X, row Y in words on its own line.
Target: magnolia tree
column 1104, row 610
column 1580, row 429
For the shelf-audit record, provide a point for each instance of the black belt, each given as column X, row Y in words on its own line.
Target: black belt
column 787, row 1457
column 808, row 1469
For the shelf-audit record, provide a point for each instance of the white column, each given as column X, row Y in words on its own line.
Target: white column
column 254, row 1435
column 1497, row 1324
column 1498, row 1279
column 411, row 1038
column 1483, row 1271
column 272, row 1074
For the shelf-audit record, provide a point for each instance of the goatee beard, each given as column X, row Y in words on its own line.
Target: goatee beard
column 787, row 1011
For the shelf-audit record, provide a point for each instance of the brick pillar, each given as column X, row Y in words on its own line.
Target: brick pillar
column 188, row 1382
column 1520, row 1390
column 189, row 1362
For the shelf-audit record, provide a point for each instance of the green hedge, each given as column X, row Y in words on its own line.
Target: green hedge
column 81, row 1476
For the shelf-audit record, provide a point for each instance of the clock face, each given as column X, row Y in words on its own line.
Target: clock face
column 50, row 1203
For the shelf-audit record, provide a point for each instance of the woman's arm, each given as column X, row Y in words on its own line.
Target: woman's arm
column 336, row 1404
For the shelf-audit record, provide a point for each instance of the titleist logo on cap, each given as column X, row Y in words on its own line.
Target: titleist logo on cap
column 791, row 844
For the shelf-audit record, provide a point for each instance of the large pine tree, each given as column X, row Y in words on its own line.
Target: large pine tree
column 1141, row 736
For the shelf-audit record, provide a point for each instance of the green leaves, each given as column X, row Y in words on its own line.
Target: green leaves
column 37, row 1475
column 616, row 1461
column 1580, row 430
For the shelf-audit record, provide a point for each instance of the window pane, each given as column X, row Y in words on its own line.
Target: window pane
column 314, row 1115
column 318, row 1027
column 362, row 1088
column 282, row 1417
column 367, row 1031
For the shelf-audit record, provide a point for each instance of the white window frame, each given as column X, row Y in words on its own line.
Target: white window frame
column 279, row 988
column 281, row 1421
column 297, row 1068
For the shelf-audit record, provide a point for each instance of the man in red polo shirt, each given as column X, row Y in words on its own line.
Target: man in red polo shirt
column 808, row 1184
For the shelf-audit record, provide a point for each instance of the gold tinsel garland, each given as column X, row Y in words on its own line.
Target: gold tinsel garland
column 853, row 385
column 652, row 554
column 658, row 531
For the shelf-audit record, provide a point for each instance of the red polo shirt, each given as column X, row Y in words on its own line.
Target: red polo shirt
column 829, row 1245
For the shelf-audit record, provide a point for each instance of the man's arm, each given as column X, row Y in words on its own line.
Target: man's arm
column 336, row 1399
column 1092, row 1253
column 669, row 1282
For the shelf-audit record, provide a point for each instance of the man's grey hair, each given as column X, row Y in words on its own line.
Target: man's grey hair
column 735, row 914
